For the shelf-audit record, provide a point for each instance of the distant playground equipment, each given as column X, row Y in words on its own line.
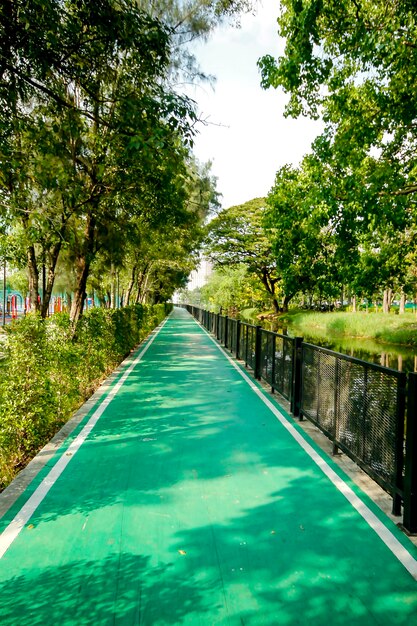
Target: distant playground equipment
column 14, row 305
column 13, row 302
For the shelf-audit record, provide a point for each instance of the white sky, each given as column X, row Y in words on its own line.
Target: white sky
column 249, row 138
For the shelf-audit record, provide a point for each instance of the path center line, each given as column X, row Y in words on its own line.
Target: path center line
column 12, row 531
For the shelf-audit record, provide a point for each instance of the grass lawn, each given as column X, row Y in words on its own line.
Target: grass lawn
column 391, row 328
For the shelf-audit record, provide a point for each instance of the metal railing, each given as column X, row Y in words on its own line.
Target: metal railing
column 361, row 407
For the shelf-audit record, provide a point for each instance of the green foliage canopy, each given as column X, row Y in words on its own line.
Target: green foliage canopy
column 237, row 236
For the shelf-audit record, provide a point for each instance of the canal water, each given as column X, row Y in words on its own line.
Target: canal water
column 389, row 355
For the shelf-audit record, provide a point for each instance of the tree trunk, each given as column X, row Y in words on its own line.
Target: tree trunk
column 34, row 304
column 275, row 304
column 285, row 303
column 354, row 308
column 77, row 307
column 83, row 264
column 131, row 284
column 386, row 306
column 402, row 303
column 142, row 283
column 53, row 259
column 143, row 288
column 112, row 287
column 269, row 284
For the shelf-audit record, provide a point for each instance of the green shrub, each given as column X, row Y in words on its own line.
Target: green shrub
column 28, row 402
column 49, row 370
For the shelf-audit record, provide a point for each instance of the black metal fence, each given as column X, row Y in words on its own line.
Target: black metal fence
column 367, row 411
column 361, row 408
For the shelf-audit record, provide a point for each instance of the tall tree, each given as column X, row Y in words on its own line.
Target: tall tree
column 89, row 86
column 107, row 115
column 236, row 236
column 354, row 63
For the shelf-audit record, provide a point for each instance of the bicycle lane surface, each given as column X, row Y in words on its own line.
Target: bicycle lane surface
column 192, row 500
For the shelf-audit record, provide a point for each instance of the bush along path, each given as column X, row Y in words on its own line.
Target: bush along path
column 48, row 371
column 187, row 496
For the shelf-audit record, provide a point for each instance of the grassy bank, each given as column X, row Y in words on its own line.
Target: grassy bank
column 393, row 329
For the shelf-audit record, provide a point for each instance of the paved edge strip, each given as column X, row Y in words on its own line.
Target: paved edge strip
column 395, row 546
column 13, row 530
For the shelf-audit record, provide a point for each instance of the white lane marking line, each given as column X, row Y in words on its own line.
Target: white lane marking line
column 395, row 546
column 12, row 531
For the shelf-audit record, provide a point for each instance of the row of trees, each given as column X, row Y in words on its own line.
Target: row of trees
column 345, row 219
column 97, row 177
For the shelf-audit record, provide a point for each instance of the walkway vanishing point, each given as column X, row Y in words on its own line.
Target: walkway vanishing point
column 187, row 496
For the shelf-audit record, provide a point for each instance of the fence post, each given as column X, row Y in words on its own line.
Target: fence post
column 217, row 325
column 274, row 350
column 226, row 330
column 296, row 386
column 258, row 350
column 410, row 478
column 238, row 329
column 335, row 450
column 399, row 443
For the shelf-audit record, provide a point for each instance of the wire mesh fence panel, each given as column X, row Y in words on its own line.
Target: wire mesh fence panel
column 267, row 356
column 221, row 329
column 251, row 353
column 318, row 393
column 283, row 370
column 232, row 336
column 248, row 344
column 243, row 342
column 213, row 323
column 209, row 321
column 309, row 369
column 368, row 422
column 357, row 405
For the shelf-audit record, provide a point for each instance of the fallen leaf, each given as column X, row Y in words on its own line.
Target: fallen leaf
column 182, row 552
column 31, row 526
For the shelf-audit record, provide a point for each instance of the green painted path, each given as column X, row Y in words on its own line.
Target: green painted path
column 189, row 501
